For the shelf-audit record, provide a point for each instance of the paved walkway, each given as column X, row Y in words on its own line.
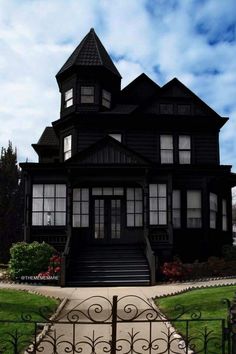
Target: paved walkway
column 94, row 337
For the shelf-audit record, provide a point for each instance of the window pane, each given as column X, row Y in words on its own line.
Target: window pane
column 213, row 201
column 130, row 219
column 49, row 204
column 162, row 218
column 76, row 221
column 138, row 194
column 67, row 143
column 76, row 194
column 67, row 155
column 61, row 190
column 87, row 99
column 76, row 208
column 97, row 191
column 212, row 219
column 85, row 220
column 153, row 218
column 153, row 190
column 138, row 207
column 176, row 199
column 85, row 194
column 48, row 219
column 60, row 219
column 166, row 156
column 37, row 190
column 162, row 204
column 106, row 95
column 116, row 137
column 49, row 190
column 61, row 204
column 69, row 103
column 130, row 207
column 184, row 142
column 176, row 219
column 162, row 190
column 130, row 193
column 138, row 220
column 37, row 204
column 107, row 191
column 193, row 199
column 153, row 204
column 166, row 142
column 118, row 191
column 87, row 90
column 85, row 208
column 37, row 219
column 68, row 94
column 184, row 157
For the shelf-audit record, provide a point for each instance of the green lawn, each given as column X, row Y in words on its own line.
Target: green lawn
column 12, row 305
column 209, row 302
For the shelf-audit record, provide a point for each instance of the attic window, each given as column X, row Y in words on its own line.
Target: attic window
column 106, row 99
column 69, row 98
column 87, row 94
column 117, row 137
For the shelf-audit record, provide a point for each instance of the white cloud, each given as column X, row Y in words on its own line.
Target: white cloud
column 36, row 37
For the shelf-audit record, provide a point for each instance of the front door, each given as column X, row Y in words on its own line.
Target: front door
column 107, row 217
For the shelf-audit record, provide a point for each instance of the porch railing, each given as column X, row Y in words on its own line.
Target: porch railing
column 151, row 259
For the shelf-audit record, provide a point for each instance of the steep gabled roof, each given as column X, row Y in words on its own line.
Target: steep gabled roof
column 139, row 90
column 108, row 151
column 184, row 91
column 90, row 52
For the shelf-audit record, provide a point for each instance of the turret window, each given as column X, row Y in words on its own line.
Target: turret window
column 69, row 98
column 106, row 99
column 87, row 94
column 67, row 147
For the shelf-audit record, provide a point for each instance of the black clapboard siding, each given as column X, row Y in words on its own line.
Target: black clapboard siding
column 144, row 142
column 206, row 149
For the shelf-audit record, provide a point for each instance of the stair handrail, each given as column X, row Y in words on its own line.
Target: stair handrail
column 151, row 259
column 64, row 260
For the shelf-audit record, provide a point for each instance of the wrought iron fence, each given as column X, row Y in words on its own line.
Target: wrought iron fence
column 128, row 324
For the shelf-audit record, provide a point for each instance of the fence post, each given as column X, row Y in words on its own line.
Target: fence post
column 114, row 325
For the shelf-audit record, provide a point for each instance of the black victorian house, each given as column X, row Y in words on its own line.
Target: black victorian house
column 126, row 178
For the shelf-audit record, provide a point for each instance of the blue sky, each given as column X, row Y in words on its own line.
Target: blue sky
column 193, row 40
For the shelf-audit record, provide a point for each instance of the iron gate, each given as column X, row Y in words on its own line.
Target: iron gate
column 127, row 324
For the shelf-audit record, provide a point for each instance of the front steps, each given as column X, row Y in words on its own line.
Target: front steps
column 116, row 265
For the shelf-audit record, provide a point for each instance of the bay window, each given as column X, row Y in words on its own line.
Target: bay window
column 49, row 205
column 157, row 204
column 176, row 211
column 194, row 209
column 213, row 210
column 166, row 143
column 224, row 215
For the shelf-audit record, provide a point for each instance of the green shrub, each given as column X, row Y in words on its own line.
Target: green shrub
column 29, row 259
column 229, row 252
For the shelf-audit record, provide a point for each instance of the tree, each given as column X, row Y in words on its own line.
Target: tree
column 11, row 201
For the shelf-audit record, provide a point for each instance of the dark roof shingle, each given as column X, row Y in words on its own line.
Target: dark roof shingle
column 48, row 137
column 90, row 52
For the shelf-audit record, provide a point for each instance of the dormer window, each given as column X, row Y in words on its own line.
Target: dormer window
column 87, row 94
column 69, row 98
column 67, row 143
column 106, row 99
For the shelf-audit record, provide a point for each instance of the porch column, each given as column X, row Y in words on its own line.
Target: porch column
column 28, row 207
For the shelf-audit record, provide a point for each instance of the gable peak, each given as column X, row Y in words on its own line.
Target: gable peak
column 90, row 52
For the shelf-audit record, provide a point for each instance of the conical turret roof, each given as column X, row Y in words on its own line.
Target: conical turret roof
column 90, row 52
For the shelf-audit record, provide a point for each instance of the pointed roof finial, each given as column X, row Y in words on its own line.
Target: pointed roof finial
column 90, row 52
